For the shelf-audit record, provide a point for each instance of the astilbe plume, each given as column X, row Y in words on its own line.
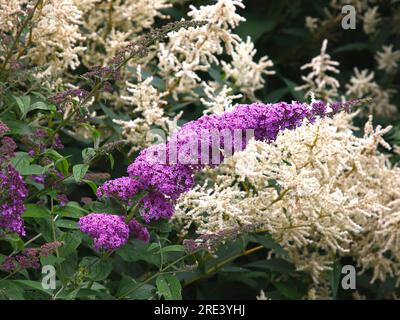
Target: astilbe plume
column 335, row 195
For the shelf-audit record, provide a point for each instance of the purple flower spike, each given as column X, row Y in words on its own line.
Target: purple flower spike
column 139, row 231
column 124, row 188
column 108, row 231
column 156, row 206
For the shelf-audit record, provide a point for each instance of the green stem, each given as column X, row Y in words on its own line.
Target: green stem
column 215, row 268
column 155, row 275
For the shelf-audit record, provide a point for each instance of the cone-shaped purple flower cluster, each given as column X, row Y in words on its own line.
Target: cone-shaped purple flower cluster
column 175, row 175
column 12, row 186
column 14, row 192
column 167, row 170
column 108, row 231
column 111, row 231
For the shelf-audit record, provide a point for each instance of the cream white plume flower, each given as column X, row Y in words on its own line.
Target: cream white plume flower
column 189, row 52
column 146, row 103
column 218, row 101
column 387, row 59
column 244, row 71
column 335, row 194
column 318, row 81
column 363, row 84
column 371, row 19
column 311, row 23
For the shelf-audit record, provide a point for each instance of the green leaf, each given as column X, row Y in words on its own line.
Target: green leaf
column 18, row 127
column 334, row 278
column 15, row 241
column 97, row 268
column 169, row 287
column 91, row 184
column 88, row 154
column 267, row 242
column 277, row 95
column 234, row 269
column 23, row 104
column 173, row 248
column 67, row 224
column 289, row 290
column 84, row 293
column 21, row 159
column 112, row 160
column 72, row 210
column 61, row 162
column 32, row 169
column 275, row 265
column 42, row 106
column 35, row 211
column 10, row 290
column 354, row 46
column 79, row 171
column 71, row 241
column 137, row 250
column 32, row 285
column 130, row 288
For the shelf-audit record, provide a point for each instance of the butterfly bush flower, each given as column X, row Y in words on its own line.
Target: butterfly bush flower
column 124, row 188
column 139, row 231
column 108, row 231
column 165, row 175
column 13, row 188
column 170, row 180
column 175, row 176
column 30, row 257
column 156, row 206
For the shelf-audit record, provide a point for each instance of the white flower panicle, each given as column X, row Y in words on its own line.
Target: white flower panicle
column 363, row 84
column 387, row 59
column 53, row 43
column 194, row 50
column 114, row 23
column 311, row 23
column 245, row 73
column 56, row 36
column 9, row 11
column 145, row 103
column 318, row 81
column 334, row 194
column 371, row 19
column 218, row 101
